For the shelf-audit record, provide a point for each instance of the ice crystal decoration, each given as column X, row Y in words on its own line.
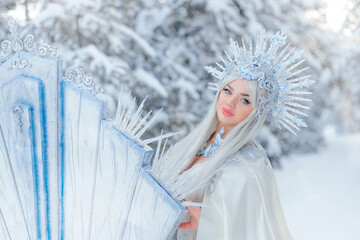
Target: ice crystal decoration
column 18, row 112
column 83, row 80
column 129, row 119
column 19, row 63
column 275, row 72
column 212, row 147
column 15, row 45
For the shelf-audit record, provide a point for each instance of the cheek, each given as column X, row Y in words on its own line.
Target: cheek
column 220, row 100
column 244, row 111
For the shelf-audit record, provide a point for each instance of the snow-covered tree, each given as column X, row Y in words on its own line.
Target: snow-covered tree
column 5, row 6
column 159, row 48
column 191, row 34
column 346, row 89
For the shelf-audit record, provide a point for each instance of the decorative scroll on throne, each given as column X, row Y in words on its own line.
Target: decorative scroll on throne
column 66, row 170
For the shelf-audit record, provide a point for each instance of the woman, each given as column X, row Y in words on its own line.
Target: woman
column 219, row 170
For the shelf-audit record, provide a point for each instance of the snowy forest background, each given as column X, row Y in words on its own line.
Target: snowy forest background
column 159, row 48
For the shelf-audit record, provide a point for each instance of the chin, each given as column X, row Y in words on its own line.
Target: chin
column 225, row 122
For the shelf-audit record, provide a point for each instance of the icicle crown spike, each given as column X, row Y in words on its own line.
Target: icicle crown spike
column 276, row 70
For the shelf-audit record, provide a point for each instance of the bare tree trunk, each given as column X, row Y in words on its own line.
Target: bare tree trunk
column 26, row 4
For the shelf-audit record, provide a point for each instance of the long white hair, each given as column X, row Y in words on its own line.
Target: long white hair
column 180, row 155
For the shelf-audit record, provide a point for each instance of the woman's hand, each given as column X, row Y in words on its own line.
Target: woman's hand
column 194, row 213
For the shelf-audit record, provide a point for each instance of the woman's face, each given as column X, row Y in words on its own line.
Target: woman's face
column 233, row 104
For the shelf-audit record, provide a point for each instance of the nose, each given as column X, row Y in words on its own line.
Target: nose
column 230, row 102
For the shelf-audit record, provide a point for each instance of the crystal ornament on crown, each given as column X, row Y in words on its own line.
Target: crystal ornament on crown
column 276, row 72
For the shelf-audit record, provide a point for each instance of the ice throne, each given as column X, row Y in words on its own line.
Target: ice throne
column 67, row 171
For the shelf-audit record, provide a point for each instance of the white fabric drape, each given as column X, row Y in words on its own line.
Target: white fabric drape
column 242, row 203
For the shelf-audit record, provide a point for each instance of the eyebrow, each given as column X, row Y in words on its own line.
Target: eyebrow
column 243, row 94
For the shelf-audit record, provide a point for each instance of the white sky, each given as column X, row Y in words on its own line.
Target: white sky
column 335, row 14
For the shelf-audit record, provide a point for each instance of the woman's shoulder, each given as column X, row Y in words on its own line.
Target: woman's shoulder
column 251, row 153
column 247, row 164
column 245, row 167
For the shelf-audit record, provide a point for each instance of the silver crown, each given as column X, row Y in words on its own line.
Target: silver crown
column 275, row 71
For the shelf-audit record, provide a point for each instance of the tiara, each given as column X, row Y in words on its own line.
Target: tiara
column 276, row 72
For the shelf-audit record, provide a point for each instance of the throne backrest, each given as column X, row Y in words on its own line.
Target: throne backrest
column 67, row 171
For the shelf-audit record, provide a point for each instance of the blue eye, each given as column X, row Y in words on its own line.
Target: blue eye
column 244, row 100
column 227, row 91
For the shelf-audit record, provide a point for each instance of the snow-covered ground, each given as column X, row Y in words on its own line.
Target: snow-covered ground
column 320, row 193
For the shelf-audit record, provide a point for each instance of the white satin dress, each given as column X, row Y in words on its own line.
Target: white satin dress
column 242, row 202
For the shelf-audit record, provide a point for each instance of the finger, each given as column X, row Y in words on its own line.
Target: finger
column 190, row 212
column 193, row 209
column 185, row 225
column 194, row 212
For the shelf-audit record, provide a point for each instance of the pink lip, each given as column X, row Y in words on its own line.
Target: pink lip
column 227, row 112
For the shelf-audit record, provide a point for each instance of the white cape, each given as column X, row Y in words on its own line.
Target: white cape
column 243, row 202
